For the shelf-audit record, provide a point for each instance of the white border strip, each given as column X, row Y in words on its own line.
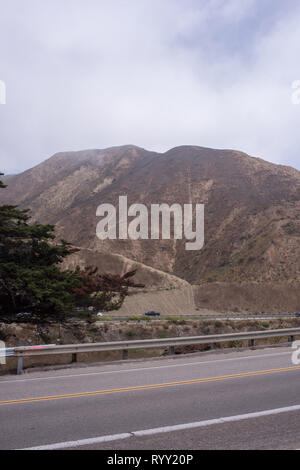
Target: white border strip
column 165, row 429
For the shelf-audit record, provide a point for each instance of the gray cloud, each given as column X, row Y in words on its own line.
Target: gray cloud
column 95, row 73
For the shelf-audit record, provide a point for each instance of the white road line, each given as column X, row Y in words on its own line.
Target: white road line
column 145, row 368
column 229, row 419
column 82, row 442
column 165, row 429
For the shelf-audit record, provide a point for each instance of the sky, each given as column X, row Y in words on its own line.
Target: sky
column 83, row 74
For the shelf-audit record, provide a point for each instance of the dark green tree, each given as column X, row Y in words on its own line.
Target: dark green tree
column 30, row 278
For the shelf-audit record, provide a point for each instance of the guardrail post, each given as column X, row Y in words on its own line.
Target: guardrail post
column 20, row 365
column 251, row 343
column 74, row 357
column 125, row 354
column 171, row 350
column 291, row 339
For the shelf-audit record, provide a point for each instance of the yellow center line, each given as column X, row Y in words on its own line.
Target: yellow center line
column 149, row 387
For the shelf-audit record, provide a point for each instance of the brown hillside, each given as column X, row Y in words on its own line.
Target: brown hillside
column 252, row 207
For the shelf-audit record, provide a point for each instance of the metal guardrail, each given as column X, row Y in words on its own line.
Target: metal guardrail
column 7, row 352
column 171, row 343
column 11, row 352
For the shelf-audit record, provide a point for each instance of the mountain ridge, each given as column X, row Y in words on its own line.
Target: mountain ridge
column 252, row 207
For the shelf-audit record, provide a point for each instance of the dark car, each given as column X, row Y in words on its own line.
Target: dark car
column 297, row 314
column 151, row 313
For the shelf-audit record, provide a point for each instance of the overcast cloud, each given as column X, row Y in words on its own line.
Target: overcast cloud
column 154, row 73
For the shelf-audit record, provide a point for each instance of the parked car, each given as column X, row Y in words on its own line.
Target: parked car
column 297, row 314
column 151, row 313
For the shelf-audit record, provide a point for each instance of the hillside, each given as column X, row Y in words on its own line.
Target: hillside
column 252, row 208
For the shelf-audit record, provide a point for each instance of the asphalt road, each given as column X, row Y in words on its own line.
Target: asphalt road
column 239, row 390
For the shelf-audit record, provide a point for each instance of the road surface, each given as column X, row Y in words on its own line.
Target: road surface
column 236, row 400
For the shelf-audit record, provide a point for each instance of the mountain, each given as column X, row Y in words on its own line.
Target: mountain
column 252, row 207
